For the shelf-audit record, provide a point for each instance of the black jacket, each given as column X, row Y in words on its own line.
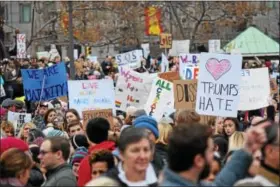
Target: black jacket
column 161, row 149
column 36, row 177
column 158, row 162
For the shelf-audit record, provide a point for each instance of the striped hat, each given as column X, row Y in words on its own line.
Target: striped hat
column 79, row 154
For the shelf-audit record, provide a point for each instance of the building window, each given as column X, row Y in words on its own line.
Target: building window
column 6, row 13
column 25, row 13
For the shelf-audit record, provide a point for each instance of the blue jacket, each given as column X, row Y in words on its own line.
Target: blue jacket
column 233, row 171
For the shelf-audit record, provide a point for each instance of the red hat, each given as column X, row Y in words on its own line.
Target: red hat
column 11, row 142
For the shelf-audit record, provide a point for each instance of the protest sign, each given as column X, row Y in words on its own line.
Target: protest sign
column 103, row 113
column 91, row 94
column 160, row 97
column 187, row 60
column 146, row 50
column 254, row 89
column 185, row 93
column 191, row 73
column 218, row 84
column 132, row 88
column 21, row 46
column 43, row 54
column 165, row 41
column 76, row 56
column 130, row 59
column 170, row 76
column 214, row 46
column 179, row 46
column 2, row 91
column 18, row 119
column 164, row 63
column 92, row 58
column 45, row 84
column 53, row 52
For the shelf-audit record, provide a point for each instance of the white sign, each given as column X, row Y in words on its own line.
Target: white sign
column 164, row 63
column 187, row 60
column 160, row 97
column 91, row 94
column 2, row 91
column 92, row 58
column 218, row 84
column 130, row 59
column 254, row 89
column 146, row 50
column 214, row 46
column 21, row 46
column 18, row 119
column 76, row 56
column 43, row 54
column 179, row 46
column 132, row 88
column 53, row 52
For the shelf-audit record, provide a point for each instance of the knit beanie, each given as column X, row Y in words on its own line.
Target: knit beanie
column 139, row 112
column 55, row 132
column 97, row 130
column 79, row 140
column 148, row 123
column 79, row 154
column 11, row 142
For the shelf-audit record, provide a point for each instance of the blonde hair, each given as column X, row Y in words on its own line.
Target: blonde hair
column 102, row 181
column 164, row 131
column 236, row 141
column 216, row 121
column 30, row 125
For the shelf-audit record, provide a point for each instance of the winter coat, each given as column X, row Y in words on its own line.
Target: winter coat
column 233, row 171
column 162, row 151
column 36, row 177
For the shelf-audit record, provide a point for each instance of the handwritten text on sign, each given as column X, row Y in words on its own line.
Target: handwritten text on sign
column 103, row 113
column 185, row 93
column 254, row 89
column 18, row 119
column 45, row 84
column 218, row 84
column 21, row 46
column 91, row 94
column 165, row 41
column 130, row 59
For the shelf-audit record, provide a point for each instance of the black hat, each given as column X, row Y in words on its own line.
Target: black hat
column 79, row 140
column 97, row 130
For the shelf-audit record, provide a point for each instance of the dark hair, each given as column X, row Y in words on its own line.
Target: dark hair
column 97, row 130
column 235, row 121
column 13, row 161
column 73, row 111
column 47, row 114
column 185, row 142
column 34, row 134
column 119, row 120
column 132, row 135
column 35, row 150
column 272, row 133
column 72, row 124
column 59, row 143
column 270, row 111
column 222, row 144
column 102, row 156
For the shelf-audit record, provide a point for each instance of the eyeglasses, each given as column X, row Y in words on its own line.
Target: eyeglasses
column 42, row 152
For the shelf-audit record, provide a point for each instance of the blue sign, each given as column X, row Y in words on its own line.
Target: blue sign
column 45, row 84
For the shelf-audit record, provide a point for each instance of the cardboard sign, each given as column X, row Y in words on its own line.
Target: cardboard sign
column 91, row 94
column 45, row 84
column 169, row 76
column 18, row 119
column 179, row 46
column 164, row 63
column 146, row 49
column 185, row 93
column 218, row 84
column 165, row 41
column 191, row 73
column 214, row 46
column 21, row 46
column 161, row 96
column 254, row 89
column 187, row 60
column 132, row 88
column 103, row 113
column 43, row 54
column 130, row 59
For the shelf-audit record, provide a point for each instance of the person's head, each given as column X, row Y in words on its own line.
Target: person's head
column 230, row 126
column 102, row 181
column 74, row 128
column 71, row 115
column 118, row 123
column 8, row 128
column 35, row 150
column 97, row 130
column 270, row 150
column 220, row 145
column 100, row 162
column 41, row 63
column 219, row 125
column 138, row 113
column 164, row 132
column 236, row 141
column 57, row 59
column 185, row 117
column 50, row 116
column 79, row 140
column 12, row 142
column 215, row 168
column 211, row 123
column 24, row 130
column 15, row 163
column 54, row 151
column 34, row 134
column 256, row 119
column 43, row 108
column 77, row 157
column 136, row 149
column 148, row 123
column 190, row 149
column 129, row 115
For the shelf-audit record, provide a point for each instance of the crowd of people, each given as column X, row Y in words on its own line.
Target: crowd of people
column 57, row 149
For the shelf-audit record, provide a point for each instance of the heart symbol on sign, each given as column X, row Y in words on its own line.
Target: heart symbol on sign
column 217, row 68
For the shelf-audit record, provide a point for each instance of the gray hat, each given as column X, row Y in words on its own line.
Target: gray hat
column 9, row 102
column 139, row 112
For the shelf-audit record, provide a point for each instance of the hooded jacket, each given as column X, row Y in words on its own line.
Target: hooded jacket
column 84, row 172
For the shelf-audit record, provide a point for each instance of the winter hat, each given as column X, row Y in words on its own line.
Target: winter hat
column 8, row 103
column 38, row 141
column 97, row 130
column 35, row 150
column 79, row 140
column 11, row 142
column 140, row 112
column 79, row 154
column 148, row 123
column 130, row 110
column 55, row 133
